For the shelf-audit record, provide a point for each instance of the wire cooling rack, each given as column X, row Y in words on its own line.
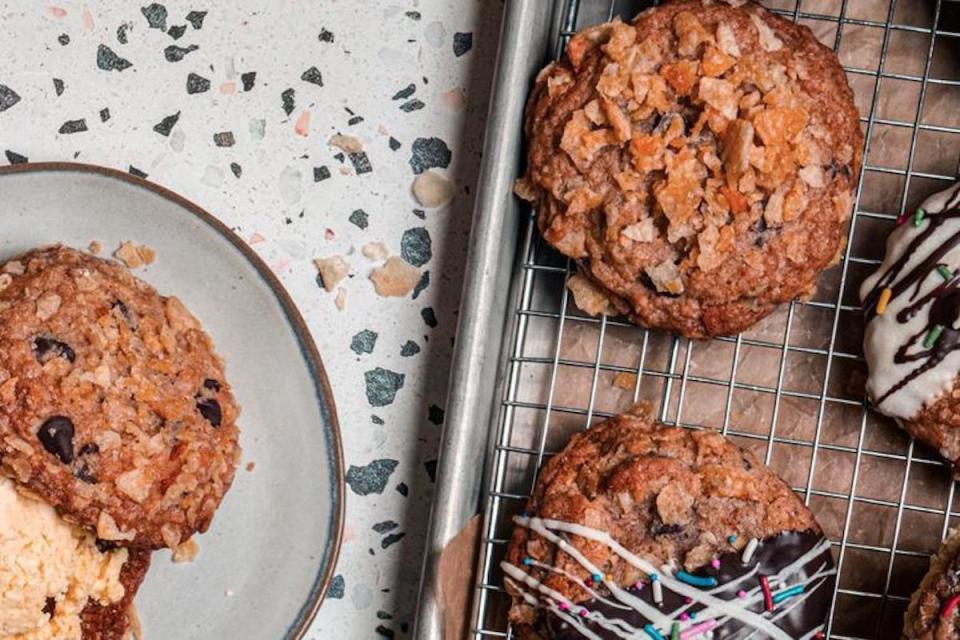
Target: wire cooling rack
column 790, row 389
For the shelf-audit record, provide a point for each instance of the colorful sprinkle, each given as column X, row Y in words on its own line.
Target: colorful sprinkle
column 741, row 594
column 638, row 585
column 563, row 606
column 884, row 300
column 715, row 563
column 684, row 616
column 598, row 578
column 584, row 613
column 949, row 606
column 528, row 561
column 696, row 581
column 767, row 596
column 675, row 631
column 932, row 336
column 652, row 632
column 657, row 591
column 698, row 629
column 944, row 272
column 782, row 595
column 902, row 218
column 731, row 539
column 750, row 549
column 918, row 216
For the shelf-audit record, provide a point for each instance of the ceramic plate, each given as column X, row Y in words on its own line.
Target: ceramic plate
column 267, row 560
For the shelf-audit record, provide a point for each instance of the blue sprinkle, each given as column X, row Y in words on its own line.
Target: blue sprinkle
column 528, row 561
column 654, row 577
column 696, row 581
column 787, row 593
column 652, row 632
column 597, row 577
column 731, row 539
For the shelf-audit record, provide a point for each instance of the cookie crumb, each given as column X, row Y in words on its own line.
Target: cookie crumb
column 332, row 270
column 626, row 381
column 251, row 466
column 395, row 278
column 346, row 143
column 95, row 248
column 588, row 297
column 186, row 552
column 147, row 254
column 133, row 255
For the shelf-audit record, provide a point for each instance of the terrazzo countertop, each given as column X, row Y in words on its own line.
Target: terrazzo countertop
column 302, row 125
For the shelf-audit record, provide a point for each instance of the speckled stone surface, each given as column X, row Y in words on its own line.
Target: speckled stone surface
column 234, row 105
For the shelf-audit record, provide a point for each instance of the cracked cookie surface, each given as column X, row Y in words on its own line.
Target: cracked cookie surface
column 114, row 407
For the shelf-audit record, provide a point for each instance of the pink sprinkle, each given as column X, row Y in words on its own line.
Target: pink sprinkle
column 583, row 613
column 696, row 630
column 684, row 616
column 688, row 600
column 715, row 563
column 638, row 585
column 741, row 594
column 564, row 606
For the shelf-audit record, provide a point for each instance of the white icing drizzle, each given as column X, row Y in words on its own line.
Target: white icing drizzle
column 713, row 607
column 885, row 333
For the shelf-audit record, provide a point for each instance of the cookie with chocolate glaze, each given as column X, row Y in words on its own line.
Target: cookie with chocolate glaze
column 636, row 527
column 912, row 337
column 698, row 163
column 114, row 406
column 934, row 611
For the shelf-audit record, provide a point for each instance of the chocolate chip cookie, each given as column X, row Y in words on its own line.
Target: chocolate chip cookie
column 114, row 622
column 912, row 339
column 114, row 407
column 934, row 611
column 698, row 163
column 636, row 529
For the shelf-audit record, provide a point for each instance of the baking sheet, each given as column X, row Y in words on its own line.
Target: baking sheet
column 790, row 389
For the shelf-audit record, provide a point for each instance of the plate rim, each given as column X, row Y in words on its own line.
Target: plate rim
column 325, row 398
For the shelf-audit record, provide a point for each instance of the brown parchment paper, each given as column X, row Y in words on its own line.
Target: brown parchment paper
column 690, row 383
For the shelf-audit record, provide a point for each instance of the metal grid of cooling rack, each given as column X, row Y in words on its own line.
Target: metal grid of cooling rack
column 664, row 370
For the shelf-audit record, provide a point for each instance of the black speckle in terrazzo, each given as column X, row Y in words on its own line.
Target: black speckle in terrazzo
column 360, row 218
column 165, row 126
column 156, row 15
column 58, row 86
column 8, row 97
column 197, row 84
column 394, row 143
column 413, row 105
column 173, row 53
column 384, row 631
column 383, row 615
column 320, row 173
column 122, row 32
column 74, row 126
column 405, row 93
column 313, row 76
column 248, row 79
column 354, row 120
column 224, row 139
column 63, row 39
column 371, row 478
column 337, row 588
column 325, row 36
column 195, row 18
column 110, row 61
column 391, row 539
column 431, row 468
column 340, row 157
column 236, row 169
column 15, row 158
column 421, row 285
column 462, row 42
column 104, row 114
column 429, row 153
column 429, row 317
column 363, row 342
column 136, row 172
column 382, row 386
column 413, row 15
column 287, row 99
column 176, row 31
column 361, row 163
column 402, row 489
column 409, row 348
column 319, row 281
column 416, row 246
column 385, row 526
column 420, row 213
column 435, row 414
column 375, row 419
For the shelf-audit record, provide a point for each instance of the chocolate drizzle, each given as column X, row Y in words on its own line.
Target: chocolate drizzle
column 796, row 618
column 942, row 302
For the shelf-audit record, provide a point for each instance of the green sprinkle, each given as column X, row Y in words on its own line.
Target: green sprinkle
column 933, row 336
column 918, row 216
column 675, row 631
column 945, row 273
